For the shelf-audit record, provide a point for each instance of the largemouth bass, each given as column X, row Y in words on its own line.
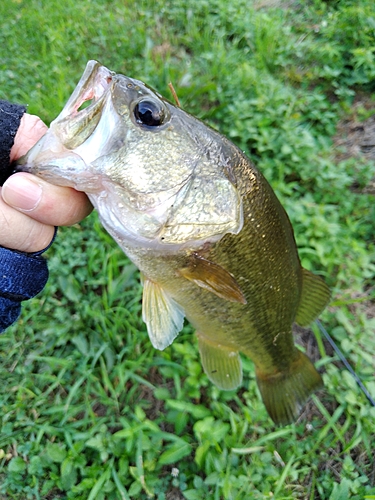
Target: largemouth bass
column 211, row 239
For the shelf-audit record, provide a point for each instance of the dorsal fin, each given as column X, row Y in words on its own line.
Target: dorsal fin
column 213, row 278
column 163, row 316
column 314, row 298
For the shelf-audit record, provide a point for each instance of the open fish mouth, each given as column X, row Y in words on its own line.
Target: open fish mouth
column 75, row 125
column 53, row 157
column 94, row 82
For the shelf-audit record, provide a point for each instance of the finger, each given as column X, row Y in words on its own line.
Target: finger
column 44, row 202
column 31, row 129
column 20, row 232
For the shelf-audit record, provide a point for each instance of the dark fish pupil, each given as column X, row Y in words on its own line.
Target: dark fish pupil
column 149, row 113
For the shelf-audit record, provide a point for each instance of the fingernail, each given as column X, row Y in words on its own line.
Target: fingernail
column 21, row 192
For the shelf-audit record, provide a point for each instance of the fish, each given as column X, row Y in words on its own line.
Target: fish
column 211, row 239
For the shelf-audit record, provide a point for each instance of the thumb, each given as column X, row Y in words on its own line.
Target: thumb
column 45, row 202
column 31, row 207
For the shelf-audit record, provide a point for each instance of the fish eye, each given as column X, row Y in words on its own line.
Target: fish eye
column 150, row 113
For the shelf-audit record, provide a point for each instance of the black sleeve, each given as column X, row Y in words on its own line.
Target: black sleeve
column 10, row 117
column 22, row 275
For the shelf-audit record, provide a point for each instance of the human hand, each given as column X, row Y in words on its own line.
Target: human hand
column 30, row 207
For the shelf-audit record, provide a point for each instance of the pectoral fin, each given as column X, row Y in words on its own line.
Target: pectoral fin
column 163, row 316
column 213, row 278
column 315, row 296
column 221, row 364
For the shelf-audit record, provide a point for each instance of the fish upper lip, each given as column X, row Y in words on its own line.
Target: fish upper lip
column 74, row 125
column 93, row 85
column 96, row 93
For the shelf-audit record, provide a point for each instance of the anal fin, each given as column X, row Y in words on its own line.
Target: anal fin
column 221, row 364
column 314, row 298
column 163, row 316
column 284, row 393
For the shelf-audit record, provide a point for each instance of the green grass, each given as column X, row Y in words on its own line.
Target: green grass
column 89, row 409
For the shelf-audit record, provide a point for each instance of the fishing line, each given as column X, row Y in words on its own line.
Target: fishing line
column 345, row 362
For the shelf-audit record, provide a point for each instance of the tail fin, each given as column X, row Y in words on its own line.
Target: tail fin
column 285, row 393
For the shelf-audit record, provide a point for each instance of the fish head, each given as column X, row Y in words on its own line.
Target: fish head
column 157, row 176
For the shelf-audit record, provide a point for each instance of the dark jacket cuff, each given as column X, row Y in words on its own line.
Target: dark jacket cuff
column 10, row 118
column 22, row 276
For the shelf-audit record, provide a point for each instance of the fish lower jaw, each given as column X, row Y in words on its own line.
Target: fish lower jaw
column 85, row 181
column 131, row 243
